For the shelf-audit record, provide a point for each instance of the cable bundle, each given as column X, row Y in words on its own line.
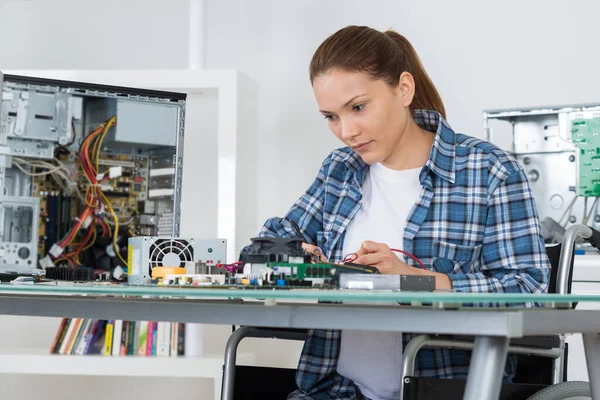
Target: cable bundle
column 96, row 203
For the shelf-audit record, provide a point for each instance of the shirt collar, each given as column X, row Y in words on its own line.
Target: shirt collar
column 441, row 157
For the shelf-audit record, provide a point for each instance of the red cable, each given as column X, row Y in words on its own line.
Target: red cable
column 103, row 226
column 83, row 243
column 75, row 228
column 411, row 256
column 350, row 257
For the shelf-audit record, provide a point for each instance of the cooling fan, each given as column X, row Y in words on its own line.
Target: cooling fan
column 170, row 253
column 148, row 252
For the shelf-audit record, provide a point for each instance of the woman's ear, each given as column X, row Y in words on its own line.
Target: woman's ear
column 406, row 86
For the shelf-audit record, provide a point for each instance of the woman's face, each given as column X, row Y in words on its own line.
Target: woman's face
column 367, row 115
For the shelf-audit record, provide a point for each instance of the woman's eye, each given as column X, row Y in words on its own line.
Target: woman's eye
column 330, row 117
column 358, row 107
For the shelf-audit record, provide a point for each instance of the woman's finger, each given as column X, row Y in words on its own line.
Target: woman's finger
column 312, row 249
column 369, row 259
column 368, row 246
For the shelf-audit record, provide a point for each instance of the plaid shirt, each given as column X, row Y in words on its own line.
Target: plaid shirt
column 475, row 220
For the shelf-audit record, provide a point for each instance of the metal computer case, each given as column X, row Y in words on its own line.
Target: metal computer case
column 40, row 117
column 558, row 148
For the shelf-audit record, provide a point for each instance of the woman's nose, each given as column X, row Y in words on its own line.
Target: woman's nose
column 348, row 130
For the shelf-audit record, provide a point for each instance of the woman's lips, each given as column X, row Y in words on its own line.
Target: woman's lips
column 362, row 146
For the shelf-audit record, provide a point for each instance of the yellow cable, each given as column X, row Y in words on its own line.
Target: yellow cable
column 108, row 227
column 89, row 179
column 90, row 205
column 114, row 215
column 98, row 144
column 93, row 151
column 91, row 137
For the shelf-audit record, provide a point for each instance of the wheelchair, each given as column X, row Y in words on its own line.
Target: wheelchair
column 541, row 361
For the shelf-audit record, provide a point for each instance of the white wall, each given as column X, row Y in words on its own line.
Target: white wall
column 480, row 55
column 92, row 34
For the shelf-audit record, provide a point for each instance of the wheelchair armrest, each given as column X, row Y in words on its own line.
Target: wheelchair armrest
column 412, row 348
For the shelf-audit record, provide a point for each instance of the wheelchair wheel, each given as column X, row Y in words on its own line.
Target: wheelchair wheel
column 574, row 390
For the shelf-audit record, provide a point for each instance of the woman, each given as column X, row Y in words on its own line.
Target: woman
column 405, row 179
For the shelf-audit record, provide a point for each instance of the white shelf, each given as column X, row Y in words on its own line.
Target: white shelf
column 41, row 363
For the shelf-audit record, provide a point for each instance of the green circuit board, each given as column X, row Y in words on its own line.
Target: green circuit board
column 317, row 270
column 585, row 134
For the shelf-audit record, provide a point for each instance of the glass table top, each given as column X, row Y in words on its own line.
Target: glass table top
column 363, row 296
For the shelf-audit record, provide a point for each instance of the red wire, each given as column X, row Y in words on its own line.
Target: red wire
column 411, row 256
column 83, row 243
column 350, row 257
column 103, row 226
column 75, row 229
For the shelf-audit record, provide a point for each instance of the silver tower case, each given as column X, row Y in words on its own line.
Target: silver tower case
column 561, row 159
column 146, row 253
column 42, row 119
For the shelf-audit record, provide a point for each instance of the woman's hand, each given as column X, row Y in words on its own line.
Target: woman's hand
column 314, row 250
column 380, row 256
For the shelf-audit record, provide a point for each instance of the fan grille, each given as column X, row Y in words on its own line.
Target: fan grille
column 168, row 250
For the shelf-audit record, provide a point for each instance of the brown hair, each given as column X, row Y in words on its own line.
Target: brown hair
column 382, row 55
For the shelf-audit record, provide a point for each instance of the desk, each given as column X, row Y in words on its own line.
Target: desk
column 493, row 327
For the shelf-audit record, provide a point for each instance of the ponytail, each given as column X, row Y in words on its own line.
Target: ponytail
column 426, row 95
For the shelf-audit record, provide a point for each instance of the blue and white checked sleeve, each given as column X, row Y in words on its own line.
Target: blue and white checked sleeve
column 513, row 257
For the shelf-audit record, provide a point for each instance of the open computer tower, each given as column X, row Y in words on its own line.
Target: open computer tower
column 559, row 150
column 84, row 167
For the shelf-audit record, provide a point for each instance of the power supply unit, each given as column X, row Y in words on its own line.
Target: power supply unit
column 148, row 252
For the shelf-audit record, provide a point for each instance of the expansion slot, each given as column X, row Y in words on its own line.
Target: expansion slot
column 117, row 163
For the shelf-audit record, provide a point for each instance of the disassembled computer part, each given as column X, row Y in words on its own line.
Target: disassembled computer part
column 283, row 263
column 387, row 282
column 559, row 149
column 148, row 252
column 195, row 279
column 83, row 167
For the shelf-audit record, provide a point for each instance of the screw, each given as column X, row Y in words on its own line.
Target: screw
column 572, row 219
column 527, row 160
column 533, row 175
column 406, row 380
column 597, row 218
column 572, row 158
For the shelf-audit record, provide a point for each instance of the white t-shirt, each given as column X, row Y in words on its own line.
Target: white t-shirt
column 373, row 360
